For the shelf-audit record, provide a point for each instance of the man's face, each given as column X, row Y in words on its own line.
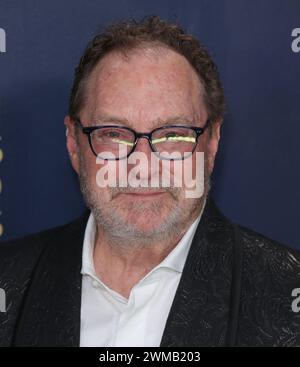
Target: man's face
column 148, row 89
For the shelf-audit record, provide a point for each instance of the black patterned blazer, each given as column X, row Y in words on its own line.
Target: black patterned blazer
column 235, row 290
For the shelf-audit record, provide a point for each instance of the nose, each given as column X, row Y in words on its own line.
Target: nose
column 143, row 145
column 141, row 157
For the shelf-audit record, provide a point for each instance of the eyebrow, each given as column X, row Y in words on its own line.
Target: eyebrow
column 109, row 119
column 176, row 119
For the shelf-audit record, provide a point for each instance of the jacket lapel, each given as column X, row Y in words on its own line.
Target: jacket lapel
column 200, row 311
column 50, row 315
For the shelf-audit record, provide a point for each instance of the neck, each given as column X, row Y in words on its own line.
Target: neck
column 121, row 263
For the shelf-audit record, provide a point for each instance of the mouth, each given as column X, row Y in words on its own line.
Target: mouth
column 143, row 194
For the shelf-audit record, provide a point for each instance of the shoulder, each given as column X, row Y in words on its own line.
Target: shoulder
column 266, row 283
column 259, row 253
column 270, row 274
column 31, row 243
column 29, row 246
column 18, row 257
column 262, row 253
column 19, row 264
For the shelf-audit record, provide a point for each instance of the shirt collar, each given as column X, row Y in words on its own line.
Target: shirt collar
column 175, row 260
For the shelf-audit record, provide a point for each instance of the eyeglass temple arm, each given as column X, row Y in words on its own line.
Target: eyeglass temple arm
column 78, row 122
column 200, row 130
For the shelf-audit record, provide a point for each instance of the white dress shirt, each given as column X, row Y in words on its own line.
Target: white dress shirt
column 110, row 320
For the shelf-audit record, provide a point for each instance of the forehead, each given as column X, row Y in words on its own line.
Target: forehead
column 145, row 86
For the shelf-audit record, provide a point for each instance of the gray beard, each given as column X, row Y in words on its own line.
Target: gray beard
column 123, row 234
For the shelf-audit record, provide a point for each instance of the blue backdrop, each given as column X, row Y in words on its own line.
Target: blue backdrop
column 256, row 45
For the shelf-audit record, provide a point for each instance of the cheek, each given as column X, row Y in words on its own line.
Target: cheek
column 90, row 170
column 90, row 164
column 198, row 161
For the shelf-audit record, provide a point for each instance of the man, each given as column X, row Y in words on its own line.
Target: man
column 148, row 265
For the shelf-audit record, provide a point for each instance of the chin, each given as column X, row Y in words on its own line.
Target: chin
column 146, row 222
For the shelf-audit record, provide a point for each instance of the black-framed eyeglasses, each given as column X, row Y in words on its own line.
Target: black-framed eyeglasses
column 170, row 142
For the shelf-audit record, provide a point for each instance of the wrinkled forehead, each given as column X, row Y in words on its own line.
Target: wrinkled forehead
column 144, row 86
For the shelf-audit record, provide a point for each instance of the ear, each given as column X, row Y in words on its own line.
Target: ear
column 72, row 143
column 213, row 138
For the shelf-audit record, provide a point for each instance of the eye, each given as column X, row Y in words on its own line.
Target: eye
column 112, row 134
column 171, row 134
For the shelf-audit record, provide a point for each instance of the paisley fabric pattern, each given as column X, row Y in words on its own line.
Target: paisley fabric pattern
column 235, row 288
